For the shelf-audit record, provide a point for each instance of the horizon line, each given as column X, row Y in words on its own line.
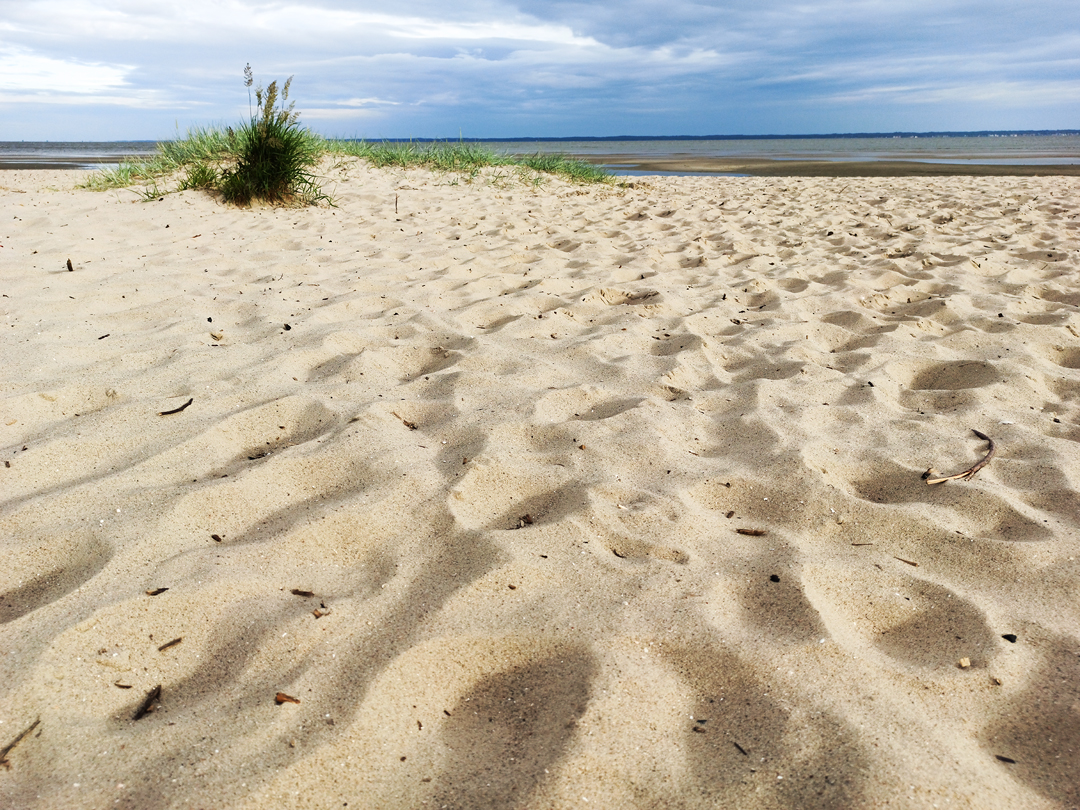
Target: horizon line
column 714, row 137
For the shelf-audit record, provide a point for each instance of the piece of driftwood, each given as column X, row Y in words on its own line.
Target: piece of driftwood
column 969, row 473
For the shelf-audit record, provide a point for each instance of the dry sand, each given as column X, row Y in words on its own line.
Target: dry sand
column 507, row 439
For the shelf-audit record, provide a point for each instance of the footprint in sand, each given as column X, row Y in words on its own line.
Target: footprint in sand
column 895, row 617
column 35, row 580
column 955, row 376
column 586, row 403
column 1062, row 356
column 977, row 508
column 1035, row 731
column 496, row 496
column 736, row 720
column 514, row 702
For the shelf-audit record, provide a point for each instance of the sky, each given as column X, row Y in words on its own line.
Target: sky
column 133, row 69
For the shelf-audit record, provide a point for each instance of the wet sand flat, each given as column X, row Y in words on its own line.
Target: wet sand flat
column 483, row 495
column 766, row 167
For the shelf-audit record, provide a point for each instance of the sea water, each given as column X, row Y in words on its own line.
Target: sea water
column 980, row 148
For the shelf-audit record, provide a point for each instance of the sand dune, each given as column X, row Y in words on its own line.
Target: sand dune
column 542, row 497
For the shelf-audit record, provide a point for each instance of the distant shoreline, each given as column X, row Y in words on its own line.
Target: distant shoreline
column 989, row 133
column 982, row 133
column 764, row 167
column 754, row 167
column 897, row 154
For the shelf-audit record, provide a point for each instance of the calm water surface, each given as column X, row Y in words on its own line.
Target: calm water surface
column 70, row 154
column 980, row 149
column 1004, row 150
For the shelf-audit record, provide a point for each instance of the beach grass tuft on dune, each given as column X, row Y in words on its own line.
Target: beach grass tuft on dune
column 469, row 159
column 272, row 159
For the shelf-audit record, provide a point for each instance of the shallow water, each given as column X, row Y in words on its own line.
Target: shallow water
column 70, row 154
column 990, row 149
column 1014, row 150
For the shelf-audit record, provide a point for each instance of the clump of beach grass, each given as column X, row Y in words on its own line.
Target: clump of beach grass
column 273, row 156
column 272, row 159
column 268, row 158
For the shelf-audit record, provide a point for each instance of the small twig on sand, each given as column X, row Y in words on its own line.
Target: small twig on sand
column 176, row 410
column 7, row 748
column 404, row 421
column 149, row 703
column 969, row 473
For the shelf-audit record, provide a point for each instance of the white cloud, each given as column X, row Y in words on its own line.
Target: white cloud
column 365, row 102
column 536, row 33
column 139, row 101
column 1013, row 94
column 367, row 108
column 25, row 71
column 203, row 20
column 339, row 114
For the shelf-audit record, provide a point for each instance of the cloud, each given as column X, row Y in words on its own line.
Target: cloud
column 23, row 71
column 492, row 67
column 139, row 101
column 349, row 109
column 1013, row 94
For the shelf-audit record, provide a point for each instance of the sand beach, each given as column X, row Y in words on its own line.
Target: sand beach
column 485, row 495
